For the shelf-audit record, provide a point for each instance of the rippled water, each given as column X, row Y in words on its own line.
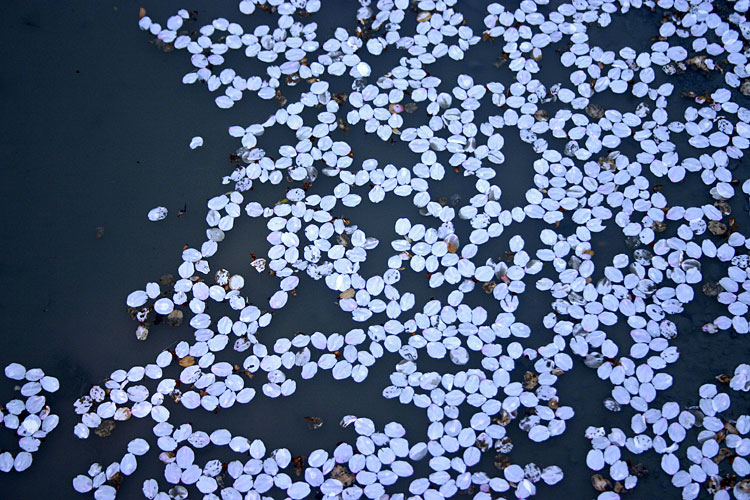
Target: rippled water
column 94, row 132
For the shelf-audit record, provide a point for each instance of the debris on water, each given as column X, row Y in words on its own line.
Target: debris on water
column 674, row 68
column 500, row 61
column 175, row 318
column 187, row 361
column 342, row 125
column 541, row 115
column 105, row 428
column 343, row 475
column 314, row 422
column 99, row 232
column 594, row 360
column 723, row 378
column 167, row 280
column 601, row 483
column 724, row 207
column 395, row 108
column 595, row 111
column 530, row 381
column 711, row 288
column 141, row 332
column 343, row 240
column 612, row 405
column 638, row 469
column 501, row 461
column 632, row 242
column 717, row 228
column 162, row 45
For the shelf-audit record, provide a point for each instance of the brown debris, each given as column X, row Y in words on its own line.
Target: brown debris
column 601, row 483
column 717, row 228
column 187, row 361
column 343, row 474
column 105, row 428
column 530, row 380
column 175, row 318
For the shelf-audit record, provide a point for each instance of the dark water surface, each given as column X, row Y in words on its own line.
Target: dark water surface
column 95, row 132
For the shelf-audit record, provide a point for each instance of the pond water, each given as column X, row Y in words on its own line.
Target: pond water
column 95, row 133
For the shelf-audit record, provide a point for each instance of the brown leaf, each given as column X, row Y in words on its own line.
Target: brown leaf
column 187, row 361
column 141, row 13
